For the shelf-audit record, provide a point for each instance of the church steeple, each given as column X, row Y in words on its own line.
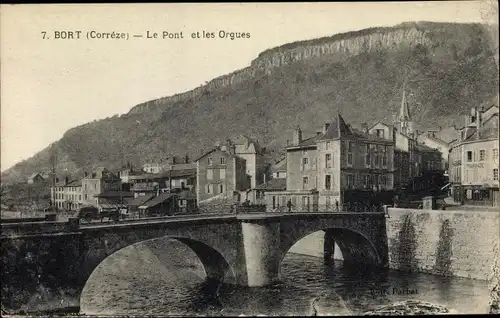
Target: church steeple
column 404, row 118
column 404, row 112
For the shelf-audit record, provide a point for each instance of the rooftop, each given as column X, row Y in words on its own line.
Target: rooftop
column 273, row 184
column 114, row 194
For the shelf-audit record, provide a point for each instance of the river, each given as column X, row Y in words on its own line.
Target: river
column 163, row 277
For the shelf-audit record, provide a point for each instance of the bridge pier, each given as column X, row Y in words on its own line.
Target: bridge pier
column 261, row 253
column 328, row 247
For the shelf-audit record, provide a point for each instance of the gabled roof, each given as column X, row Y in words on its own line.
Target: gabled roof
column 157, row 200
column 34, row 175
column 140, row 200
column 213, row 150
column 337, row 129
column 279, row 166
column 379, row 122
column 360, row 135
column 423, row 147
column 114, row 194
column 484, row 133
column 436, row 139
column 273, row 184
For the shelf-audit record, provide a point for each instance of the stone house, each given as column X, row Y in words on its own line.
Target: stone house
column 337, row 165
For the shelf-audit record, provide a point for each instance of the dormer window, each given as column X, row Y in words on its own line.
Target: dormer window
column 209, row 161
column 222, row 161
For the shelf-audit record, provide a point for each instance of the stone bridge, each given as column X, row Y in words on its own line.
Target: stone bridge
column 251, row 247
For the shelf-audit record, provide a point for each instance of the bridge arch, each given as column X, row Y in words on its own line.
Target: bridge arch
column 215, row 264
column 357, row 249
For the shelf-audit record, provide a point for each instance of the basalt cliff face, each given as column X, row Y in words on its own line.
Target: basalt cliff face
column 449, row 67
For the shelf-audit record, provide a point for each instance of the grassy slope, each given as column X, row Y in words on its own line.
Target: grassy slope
column 446, row 79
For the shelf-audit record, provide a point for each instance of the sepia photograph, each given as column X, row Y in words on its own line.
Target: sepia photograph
column 250, row 159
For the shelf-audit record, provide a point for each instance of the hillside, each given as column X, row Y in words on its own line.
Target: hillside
column 450, row 68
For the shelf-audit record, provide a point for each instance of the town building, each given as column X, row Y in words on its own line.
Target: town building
column 96, row 182
column 164, row 182
column 67, row 195
column 431, row 140
column 253, row 154
column 152, row 167
column 221, row 176
column 112, row 200
column 474, row 159
column 411, row 159
column 339, row 165
column 274, row 180
column 36, row 178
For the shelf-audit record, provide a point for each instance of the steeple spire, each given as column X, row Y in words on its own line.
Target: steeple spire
column 404, row 112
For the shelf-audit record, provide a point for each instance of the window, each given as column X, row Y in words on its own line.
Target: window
column 222, row 173
column 305, row 181
column 367, row 156
column 349, row 159
column 495, row 174
column 210, row 174
column 208, row 188
column 222, row 161
column 86, row 197
column 495, row 153
column 349, row 146
column 350, row 181
column 221, row 188
column 380, row 133
column 482, row 155
column 305, row 164
column 328, row 160
column 274, row 202
column 328, row 182
column 384, row 156
column 383, row 180
column 209, row 161
column 327, row 145
column 469, row 156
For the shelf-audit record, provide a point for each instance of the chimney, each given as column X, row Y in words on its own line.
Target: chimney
column 479, row 119
column 66, row 180
column 325, row 127
column 186, row 158
column 364, row 127
column 86, row 174
column 297, row 136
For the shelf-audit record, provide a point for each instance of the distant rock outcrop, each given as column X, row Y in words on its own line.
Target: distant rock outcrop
column 450, row 67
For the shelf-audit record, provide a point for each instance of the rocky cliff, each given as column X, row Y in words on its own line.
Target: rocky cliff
column 449, row 67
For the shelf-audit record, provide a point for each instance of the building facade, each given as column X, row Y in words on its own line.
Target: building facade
column 67, row 195
column 96, row 182
column 337, row 166
column 474, row 161
column 430, row 140
column 220, row 175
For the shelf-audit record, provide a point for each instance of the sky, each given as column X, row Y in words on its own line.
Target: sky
column 50, row 85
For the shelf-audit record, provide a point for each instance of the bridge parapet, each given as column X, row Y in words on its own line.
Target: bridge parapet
column 13, row 229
